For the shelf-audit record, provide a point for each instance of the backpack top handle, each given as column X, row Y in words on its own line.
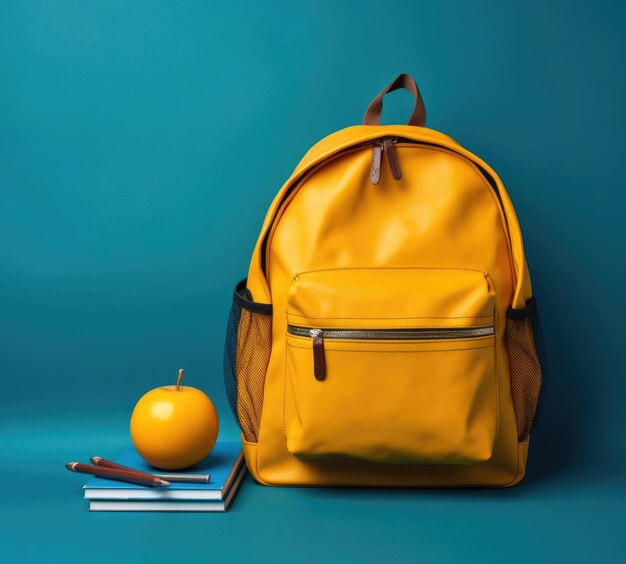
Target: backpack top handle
column 418, row 117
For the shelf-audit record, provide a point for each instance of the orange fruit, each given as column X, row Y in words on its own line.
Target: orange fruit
column 174, row 427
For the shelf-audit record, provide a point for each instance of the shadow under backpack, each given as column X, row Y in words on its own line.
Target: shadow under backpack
column 387, row 333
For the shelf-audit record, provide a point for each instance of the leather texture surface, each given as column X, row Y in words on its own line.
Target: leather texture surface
column 438, row 243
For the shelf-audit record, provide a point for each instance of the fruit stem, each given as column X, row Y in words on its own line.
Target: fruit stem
column 180, row 377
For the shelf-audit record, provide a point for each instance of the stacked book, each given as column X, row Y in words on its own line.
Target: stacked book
column 224, row 466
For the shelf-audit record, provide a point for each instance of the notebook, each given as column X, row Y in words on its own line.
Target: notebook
column 224, row 465
column 171, row 505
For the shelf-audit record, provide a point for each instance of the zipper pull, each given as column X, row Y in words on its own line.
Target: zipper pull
column 377, row 151
column 319, row 362
column 392, row 159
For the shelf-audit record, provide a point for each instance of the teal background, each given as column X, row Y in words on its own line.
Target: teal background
column 140, row 145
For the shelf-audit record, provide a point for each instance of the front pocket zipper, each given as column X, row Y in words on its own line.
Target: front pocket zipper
column 434, row 334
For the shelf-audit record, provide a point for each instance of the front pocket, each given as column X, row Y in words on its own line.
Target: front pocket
column 392, row 365
column 246, row 357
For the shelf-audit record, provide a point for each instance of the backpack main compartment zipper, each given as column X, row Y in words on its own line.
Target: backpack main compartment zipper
column 412, row 334
column 376, row 156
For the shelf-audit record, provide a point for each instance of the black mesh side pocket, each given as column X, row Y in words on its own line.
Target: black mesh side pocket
column 527, row 365
column 246, row 356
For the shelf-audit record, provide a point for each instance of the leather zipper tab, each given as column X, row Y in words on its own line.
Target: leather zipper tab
column 319, row 362
column 392, row 159
column 377, row 152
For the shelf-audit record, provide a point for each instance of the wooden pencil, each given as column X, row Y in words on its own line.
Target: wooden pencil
column 103, row 463
column 188, row 478
column 117, row 474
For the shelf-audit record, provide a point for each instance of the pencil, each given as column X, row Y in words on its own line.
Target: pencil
column 188, row 478
column 102, row 463
column 116, row 474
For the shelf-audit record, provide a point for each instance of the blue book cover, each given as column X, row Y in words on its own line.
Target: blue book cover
column 224, row 464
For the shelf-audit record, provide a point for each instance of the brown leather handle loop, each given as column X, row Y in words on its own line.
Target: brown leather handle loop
column 418, row 117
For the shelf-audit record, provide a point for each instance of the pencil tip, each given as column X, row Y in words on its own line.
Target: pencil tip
column 162, row 482
column 71, row 465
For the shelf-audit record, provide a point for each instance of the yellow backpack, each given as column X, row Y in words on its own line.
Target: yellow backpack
column 387, row 333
